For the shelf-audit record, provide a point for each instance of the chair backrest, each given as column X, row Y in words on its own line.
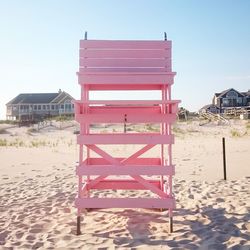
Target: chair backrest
column 125, row 56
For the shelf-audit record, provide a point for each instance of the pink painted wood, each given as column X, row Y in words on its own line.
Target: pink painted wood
column 131, row 45
column 130, row 138
column 125, row 53
column 131, row 160
column 119, row 184
column 125, row 65
column 125, row 78
column 125, row 170
column 125, row 203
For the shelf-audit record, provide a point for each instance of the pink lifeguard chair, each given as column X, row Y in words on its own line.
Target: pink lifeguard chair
column 125, row 65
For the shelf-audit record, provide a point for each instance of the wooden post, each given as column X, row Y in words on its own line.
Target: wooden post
column 224, row 158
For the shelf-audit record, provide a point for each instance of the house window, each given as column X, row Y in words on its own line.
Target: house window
column 225, row 101
column 47, row 107
column 232, row 94
column 62, row 106
column 44, row 107
column 67, row 106
column 39, row 107
column 24, row 107
column 52, row 107
column 239, row 100
column 35, row 107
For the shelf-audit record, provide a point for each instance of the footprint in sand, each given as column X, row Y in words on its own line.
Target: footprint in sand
column 216, row 246
column 246, row 226
column 3, row 236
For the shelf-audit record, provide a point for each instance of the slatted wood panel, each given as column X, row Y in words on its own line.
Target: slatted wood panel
column 119, row 118
column 125, row 170
column 123, row 63
column 123, row 44
column 128, row 70
column 137, row 161
column 100, row 87
column 126, row 78
column 127, row 139
column 130, row 102
column 125, row 53
column 124, row 56
column 120, row 184
column 125, row 203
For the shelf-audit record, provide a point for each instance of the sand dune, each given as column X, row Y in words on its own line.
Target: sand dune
column 38, row 187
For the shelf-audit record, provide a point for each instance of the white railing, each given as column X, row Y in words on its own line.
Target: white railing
column 66, row 111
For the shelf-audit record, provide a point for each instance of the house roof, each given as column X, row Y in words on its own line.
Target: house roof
column 61, row 97
column 33, row 98
column 209, row 105
column 246, row 93
column 227, row 90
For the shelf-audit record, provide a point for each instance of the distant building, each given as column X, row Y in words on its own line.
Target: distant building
column 36, row 106
column 210, row 108
column 228, row 99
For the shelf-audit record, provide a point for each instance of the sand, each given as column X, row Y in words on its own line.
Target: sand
column 38, row 187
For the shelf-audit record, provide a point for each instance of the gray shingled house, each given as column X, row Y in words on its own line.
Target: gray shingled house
column 232, row 98
column 37, row 106
column 228, row 99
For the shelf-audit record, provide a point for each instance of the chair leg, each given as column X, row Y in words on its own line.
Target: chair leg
column 78, row 225
column 171, row 224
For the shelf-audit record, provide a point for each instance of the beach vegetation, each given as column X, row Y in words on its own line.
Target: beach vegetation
column 3, row 143
column 104, row 131
column 150, row 127
column 3, row 131
column 235, row 133
column 192, row 130
column 248, row 125
column 31, row 130
column 178, row 130
column 38, row 143
column 63, row 118
column 70, row 143
column 8, row 122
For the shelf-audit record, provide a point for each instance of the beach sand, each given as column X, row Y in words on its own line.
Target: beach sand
column 38, row 186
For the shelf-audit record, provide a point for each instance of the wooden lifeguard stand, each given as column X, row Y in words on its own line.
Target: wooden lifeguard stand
column 125, row 65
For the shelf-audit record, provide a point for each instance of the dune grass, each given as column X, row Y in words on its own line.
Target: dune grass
column 237, row 133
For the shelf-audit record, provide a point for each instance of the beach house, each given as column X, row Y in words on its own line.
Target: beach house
column 37, row 106
column 227, row 100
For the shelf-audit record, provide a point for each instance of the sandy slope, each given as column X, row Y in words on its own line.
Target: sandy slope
column 38, row 186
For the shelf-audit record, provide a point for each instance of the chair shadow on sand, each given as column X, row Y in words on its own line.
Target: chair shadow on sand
column 196, row 234
column 220, row 228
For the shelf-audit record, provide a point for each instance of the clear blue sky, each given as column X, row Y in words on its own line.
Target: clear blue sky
column 39, row 42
